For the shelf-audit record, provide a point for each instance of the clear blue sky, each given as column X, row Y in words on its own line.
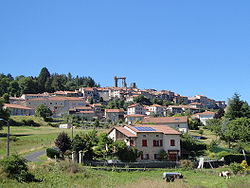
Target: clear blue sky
column 188, row 46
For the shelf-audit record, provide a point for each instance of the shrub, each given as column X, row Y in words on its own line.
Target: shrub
column 70, row 167
column 65, row 167
column 30, row 122
column 222, row 154
column 163, row 155
column 191, row 145
column 235, row 167
column 15, row 123
column 126, row 153
column 186, row 164
column 235, row 158
column 14, row 138
column 15, row 167
column 245, row 167
column 212, row 145
column 52, row 153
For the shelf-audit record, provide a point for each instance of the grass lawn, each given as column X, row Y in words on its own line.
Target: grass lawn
column 89, row 178
column 209, row 137
column 31, row 138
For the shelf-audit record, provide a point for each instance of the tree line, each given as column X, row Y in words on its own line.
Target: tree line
column 96, row 146
column 44, row 82
column 233, row 127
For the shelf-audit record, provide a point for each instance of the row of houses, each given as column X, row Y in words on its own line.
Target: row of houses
column 61, row 105
column 128, row 94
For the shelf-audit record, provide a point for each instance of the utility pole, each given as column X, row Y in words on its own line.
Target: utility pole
column 72, row 129
column 8, row 138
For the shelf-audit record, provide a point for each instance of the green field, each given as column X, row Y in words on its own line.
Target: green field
column 89, row 178
column 36, row 138
column 31, row 138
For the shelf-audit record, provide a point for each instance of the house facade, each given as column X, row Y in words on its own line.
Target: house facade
column 18, row 110
column 204, row 116
column 114, row 114
column 156, row 109
column 135, row 109
column 150, row 140
column 182, row 108
column 133, row 118
column 58, row 105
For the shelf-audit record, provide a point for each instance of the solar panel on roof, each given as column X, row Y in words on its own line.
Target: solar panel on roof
column 145, row 129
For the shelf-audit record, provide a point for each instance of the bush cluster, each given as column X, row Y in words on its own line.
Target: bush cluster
column 186, row 164
column 52, row 153
column 238, row 158
column 15, row 167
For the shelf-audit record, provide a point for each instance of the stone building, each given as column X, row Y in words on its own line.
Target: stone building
column 150, row 140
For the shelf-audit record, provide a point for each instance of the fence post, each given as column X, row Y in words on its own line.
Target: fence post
column 73, row 156
column 80, row 156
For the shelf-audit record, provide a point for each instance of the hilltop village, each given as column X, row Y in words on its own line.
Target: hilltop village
column 116, row 104
column 122, row 127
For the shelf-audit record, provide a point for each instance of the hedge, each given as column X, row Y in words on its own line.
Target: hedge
column 238, row 158
column 52, row 153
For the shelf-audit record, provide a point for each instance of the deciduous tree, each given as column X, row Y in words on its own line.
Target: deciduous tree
column 63, row 142
column 43, row 111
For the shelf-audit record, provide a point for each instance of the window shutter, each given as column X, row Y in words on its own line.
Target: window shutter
column 161, row 143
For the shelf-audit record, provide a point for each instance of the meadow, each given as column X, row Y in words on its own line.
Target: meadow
column 61, row 175
column 25, row 139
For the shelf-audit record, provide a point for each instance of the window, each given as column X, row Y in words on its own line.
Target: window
column 161, row 143
column 157, row 143
column 157, row 156
column 172, row 142
column 144, row 156
column 132, row 143
column 144, row 136
column 144, row 143
column 157, row 135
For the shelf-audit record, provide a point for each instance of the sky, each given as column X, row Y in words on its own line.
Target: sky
column 190, row 47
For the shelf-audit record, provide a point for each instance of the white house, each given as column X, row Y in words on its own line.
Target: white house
column 156, row 109
column 180, row 123
column 182, row 108
column 204, row 116
column 150, row 140
column 135, row 109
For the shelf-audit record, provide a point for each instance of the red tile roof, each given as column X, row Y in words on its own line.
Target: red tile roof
column 182, row 119
column 57, row 98
column 39, row 94
column 204, row 113
column 98, row 104
column 83, row 108
column 135, row 115
column 157, row 105
column 17, row 106
column 182, row 106
column 114, row 110
column 158, row 129
column 86, row 112
column 124, row 131
column 134, row 105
